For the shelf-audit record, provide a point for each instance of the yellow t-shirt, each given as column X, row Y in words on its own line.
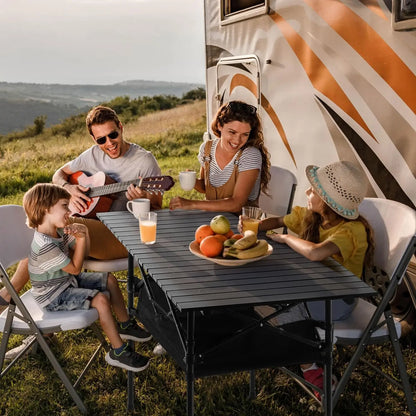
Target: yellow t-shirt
column 349, row 236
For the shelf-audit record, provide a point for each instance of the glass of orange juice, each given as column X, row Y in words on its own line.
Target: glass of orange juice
column 148, row 222
column 250, row 218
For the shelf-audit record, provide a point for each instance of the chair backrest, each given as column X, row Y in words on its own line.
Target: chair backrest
column 15, row 235
column 394, row 225
column 282, row 188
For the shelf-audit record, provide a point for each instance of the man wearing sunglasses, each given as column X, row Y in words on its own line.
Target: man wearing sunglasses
column 117, row 158
column 121, row 160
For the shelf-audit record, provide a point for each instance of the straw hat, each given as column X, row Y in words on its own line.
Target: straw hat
column 342, row 186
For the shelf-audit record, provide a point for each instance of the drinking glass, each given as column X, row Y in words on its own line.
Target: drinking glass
column 250, row 218
column 147, row 223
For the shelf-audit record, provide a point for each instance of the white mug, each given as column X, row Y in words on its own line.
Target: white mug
column 138, row 206
column 187, row 179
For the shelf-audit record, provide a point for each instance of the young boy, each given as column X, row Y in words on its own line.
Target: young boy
column 57, row 253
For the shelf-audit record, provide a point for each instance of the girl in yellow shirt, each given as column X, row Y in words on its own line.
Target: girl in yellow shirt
column 330, row 226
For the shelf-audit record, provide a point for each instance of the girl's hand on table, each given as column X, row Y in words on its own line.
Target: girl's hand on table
column 275, row 236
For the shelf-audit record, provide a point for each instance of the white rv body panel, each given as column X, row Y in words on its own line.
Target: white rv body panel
column 336, row 82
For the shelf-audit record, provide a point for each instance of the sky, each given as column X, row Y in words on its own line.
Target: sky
column 101, row 41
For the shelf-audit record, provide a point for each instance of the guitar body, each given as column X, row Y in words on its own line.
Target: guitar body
column 102, row 190
column 98, row 203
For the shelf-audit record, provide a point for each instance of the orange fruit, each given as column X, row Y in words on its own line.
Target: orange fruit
column 203, row 231
column 221, row 237
column 236, row 236
column 211, row 246
column 229, row 234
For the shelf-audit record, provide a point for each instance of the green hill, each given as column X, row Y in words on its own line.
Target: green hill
column 21, row 103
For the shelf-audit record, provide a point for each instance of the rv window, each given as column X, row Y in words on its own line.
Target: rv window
column 239, row 5
column 404, row 14
column 235, row 10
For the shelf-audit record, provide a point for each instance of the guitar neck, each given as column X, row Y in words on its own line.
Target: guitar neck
column 151, row 184
column 112, row 188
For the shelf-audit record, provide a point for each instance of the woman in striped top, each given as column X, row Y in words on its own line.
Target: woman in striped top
column 235, row 166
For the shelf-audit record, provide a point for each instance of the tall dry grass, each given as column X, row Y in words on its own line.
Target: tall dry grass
column 172, row 135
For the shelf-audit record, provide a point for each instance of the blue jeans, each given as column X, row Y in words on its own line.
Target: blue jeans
column 89, row 284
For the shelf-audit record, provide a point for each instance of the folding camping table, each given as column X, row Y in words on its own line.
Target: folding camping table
column 202, row 312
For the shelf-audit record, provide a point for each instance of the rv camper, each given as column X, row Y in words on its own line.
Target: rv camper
column 332, row 79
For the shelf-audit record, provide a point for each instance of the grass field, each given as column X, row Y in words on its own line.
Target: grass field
column 32, row 387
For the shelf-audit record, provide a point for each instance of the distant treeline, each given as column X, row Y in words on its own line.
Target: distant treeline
column 127, row 108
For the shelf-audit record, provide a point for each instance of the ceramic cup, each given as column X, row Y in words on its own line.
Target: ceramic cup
column 138, row 206
column 187, row 180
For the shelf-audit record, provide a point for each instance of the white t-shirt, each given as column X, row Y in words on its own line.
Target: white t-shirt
column 136, row 162
column 250, row 159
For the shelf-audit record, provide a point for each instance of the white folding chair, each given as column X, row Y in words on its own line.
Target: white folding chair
column 394, row 226
column 110, row 266
column 24, row 316
column 114, row 265
column 282, row 187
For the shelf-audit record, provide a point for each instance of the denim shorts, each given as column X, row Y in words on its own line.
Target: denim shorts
column 89, row 284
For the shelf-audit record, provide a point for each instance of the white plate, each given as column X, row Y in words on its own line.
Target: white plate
column 194, row 249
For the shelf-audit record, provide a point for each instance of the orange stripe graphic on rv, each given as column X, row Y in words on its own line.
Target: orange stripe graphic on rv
column 240, row 80
column 317, row 72
column 374, row 7
column 371, row 46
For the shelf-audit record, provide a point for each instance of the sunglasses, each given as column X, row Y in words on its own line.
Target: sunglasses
column 239, row 106
column 113, row 135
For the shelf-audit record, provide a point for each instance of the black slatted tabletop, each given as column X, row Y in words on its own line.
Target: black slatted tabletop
column 195, row 283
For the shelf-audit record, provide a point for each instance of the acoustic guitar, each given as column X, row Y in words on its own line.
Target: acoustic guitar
column 102, row 190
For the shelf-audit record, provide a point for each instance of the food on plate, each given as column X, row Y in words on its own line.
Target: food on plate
column 220, row 237
column 218, row 240
column 220, row 224
column 260, row 248
column 203, row 231
column 229, row 234
column 229, row 242
column 248, row 240
column 211, row 246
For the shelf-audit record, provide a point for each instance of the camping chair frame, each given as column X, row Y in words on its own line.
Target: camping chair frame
column 374, row 325
column 18, row 319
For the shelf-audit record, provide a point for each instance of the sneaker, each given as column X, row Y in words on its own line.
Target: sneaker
column 128, row 359
column 134, row 332
column 159, row 350
column 14, row 352
column 316, row 377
